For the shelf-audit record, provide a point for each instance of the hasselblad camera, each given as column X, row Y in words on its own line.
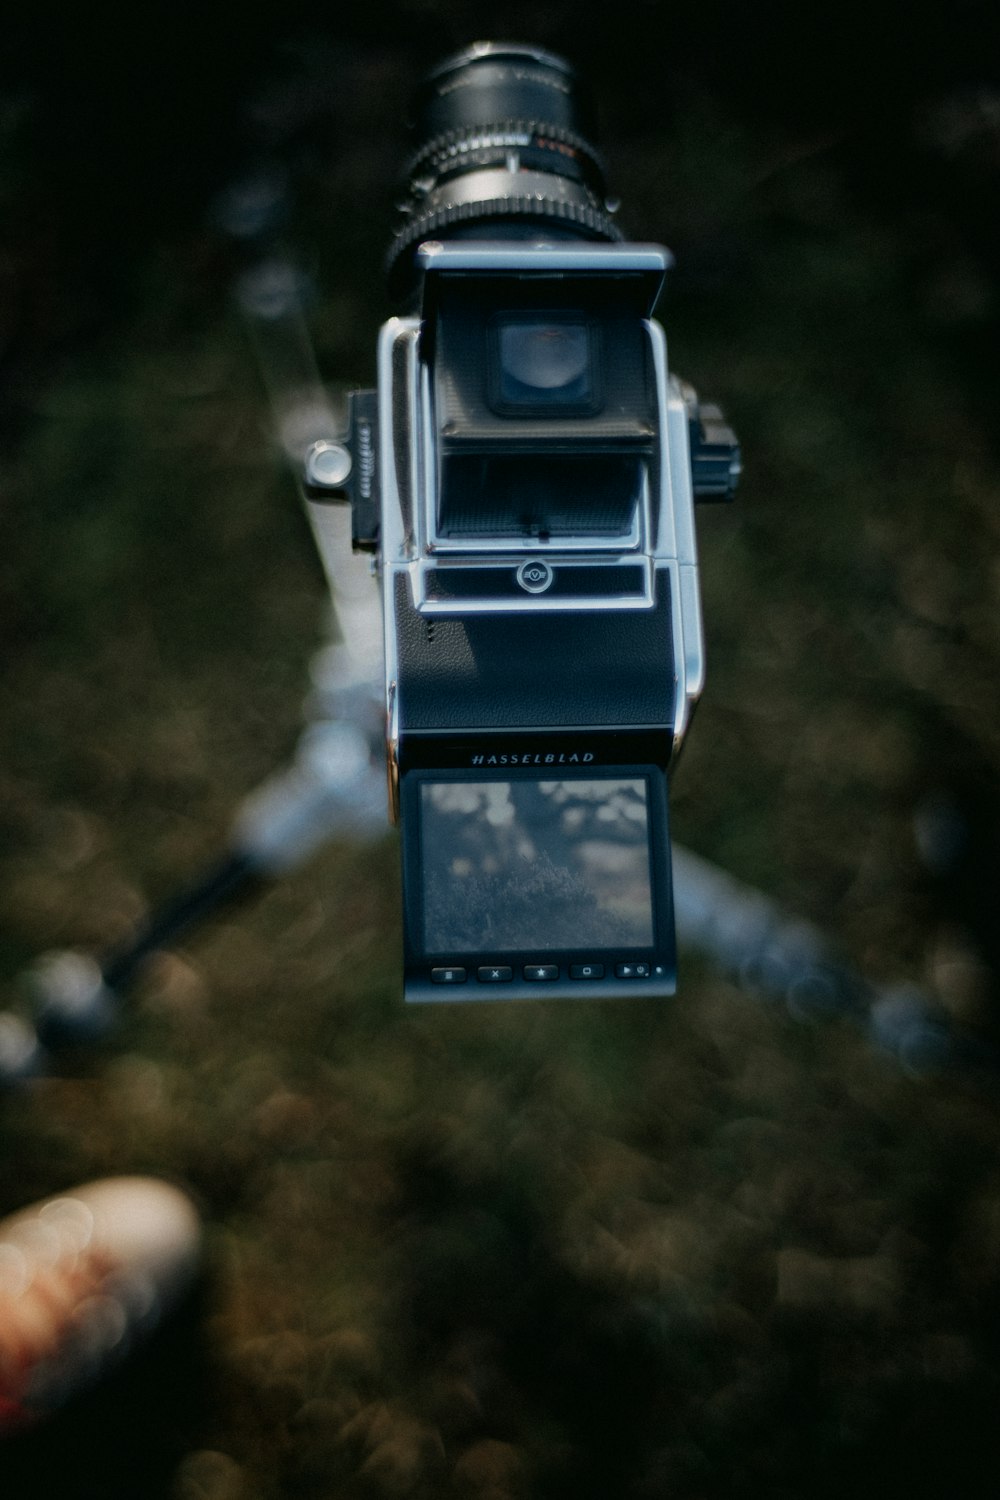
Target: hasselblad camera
column 525, row 476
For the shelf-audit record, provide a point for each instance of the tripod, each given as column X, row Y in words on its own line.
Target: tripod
column 334, row 786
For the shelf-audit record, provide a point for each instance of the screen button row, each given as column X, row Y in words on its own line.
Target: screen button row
column 533, row 973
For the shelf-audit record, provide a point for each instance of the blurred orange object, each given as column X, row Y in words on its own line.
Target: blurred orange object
column 84, row 1279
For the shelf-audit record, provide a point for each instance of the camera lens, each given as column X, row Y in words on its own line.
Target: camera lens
column 503, row 136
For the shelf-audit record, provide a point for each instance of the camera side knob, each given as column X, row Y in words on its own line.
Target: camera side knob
column 327, row 466
column 347, row 470
column 716, row 462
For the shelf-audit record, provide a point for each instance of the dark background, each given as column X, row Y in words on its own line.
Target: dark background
column 705, row 1250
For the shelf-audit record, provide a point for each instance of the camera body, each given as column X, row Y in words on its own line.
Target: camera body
column 525, row 475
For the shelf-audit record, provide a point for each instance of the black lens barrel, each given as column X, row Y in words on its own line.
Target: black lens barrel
column 500, row 81
column 503, row 147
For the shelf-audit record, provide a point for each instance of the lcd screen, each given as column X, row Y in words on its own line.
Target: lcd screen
column 523, row 866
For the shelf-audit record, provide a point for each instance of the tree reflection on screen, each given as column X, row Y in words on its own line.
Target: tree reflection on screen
column 530, row 866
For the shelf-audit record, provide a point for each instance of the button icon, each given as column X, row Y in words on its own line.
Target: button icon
column 586, row 971
column 447, row 976
column 495, row 974
column 535, row 972
column 535, row 576
column 632, row 971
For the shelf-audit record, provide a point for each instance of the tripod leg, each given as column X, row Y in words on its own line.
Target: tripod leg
column 769, row 952
column 334, row 787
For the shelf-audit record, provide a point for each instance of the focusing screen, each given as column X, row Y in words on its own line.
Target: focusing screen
column 543, row 364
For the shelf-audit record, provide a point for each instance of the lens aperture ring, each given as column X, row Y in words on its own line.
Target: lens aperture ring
column 456, row 150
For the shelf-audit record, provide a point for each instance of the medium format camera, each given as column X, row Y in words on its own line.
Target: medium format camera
column 525, row 475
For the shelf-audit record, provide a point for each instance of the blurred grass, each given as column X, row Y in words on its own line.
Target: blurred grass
column 698, row 1250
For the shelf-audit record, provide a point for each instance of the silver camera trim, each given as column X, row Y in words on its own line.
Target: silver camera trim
column 425, row 602
column 410, row 544
column 544, row 257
